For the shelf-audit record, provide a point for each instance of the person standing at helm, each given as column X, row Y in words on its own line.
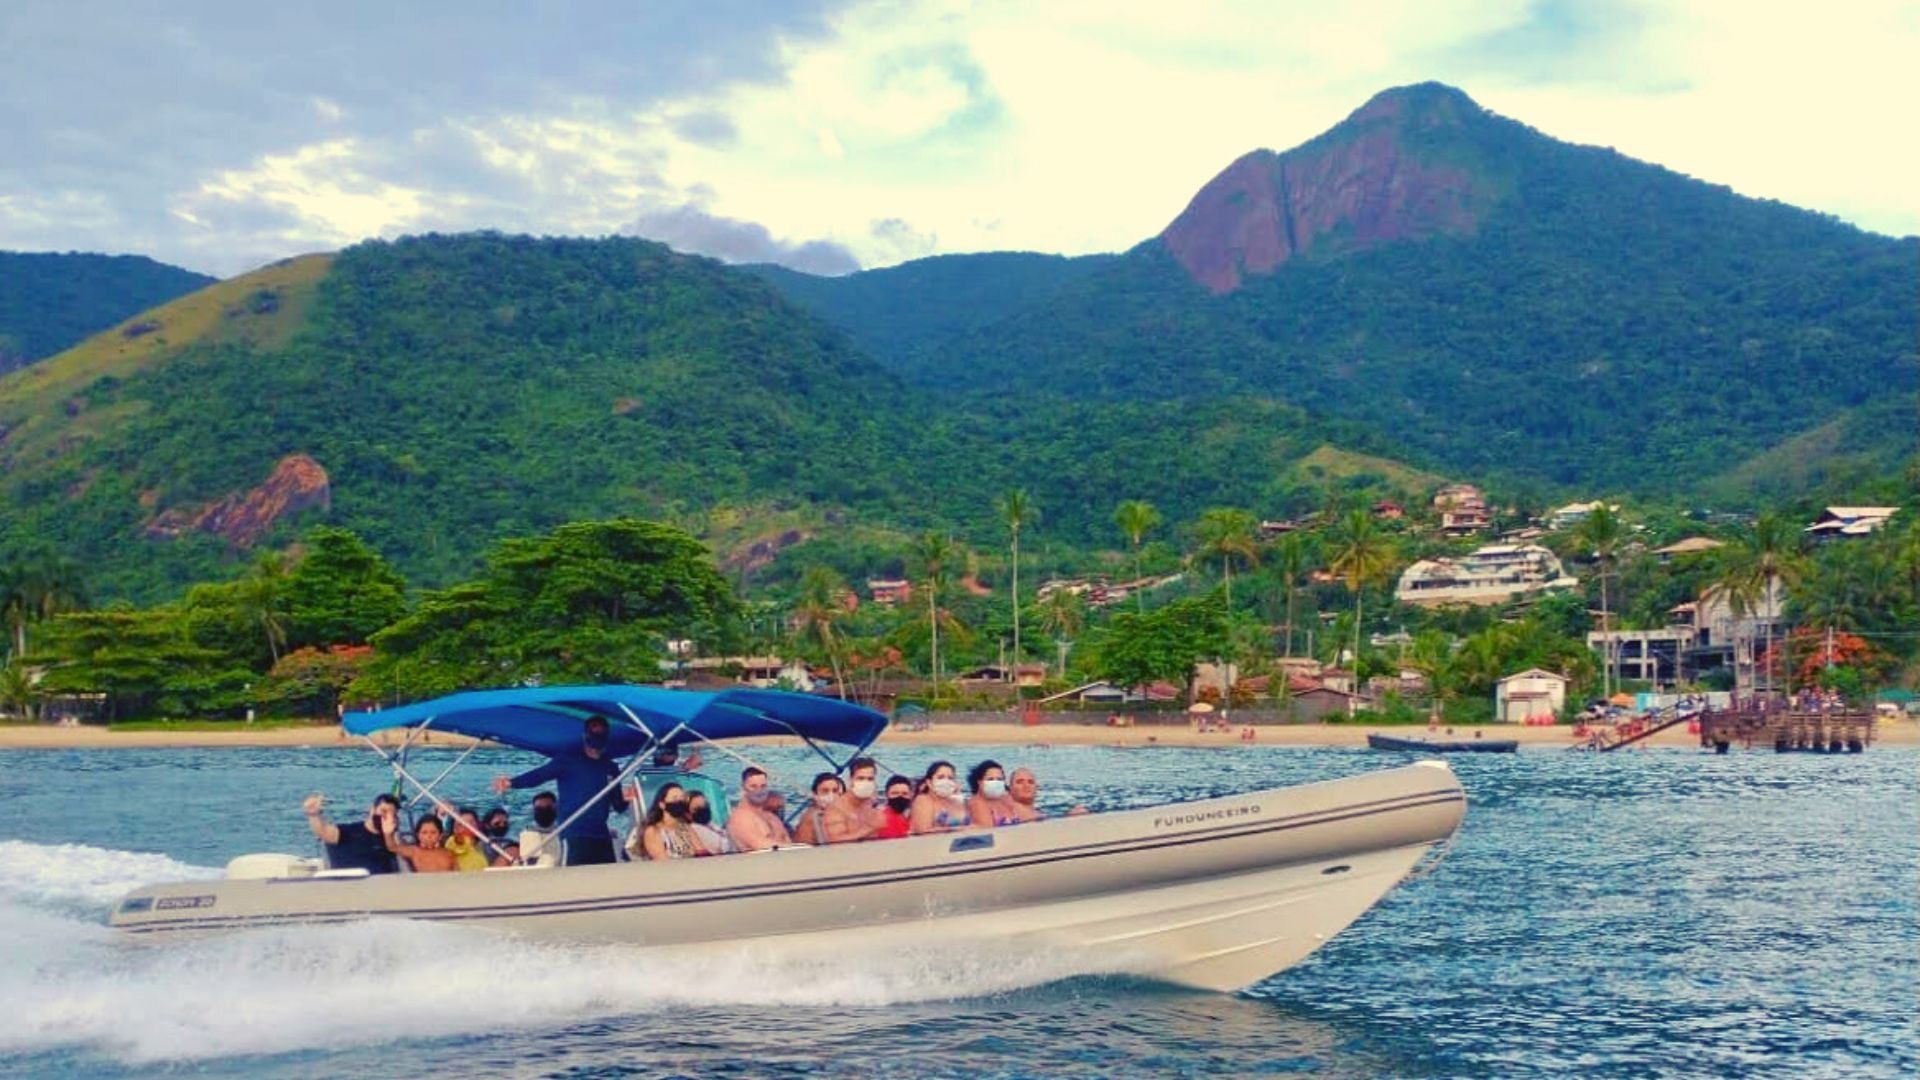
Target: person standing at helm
column 584, row 780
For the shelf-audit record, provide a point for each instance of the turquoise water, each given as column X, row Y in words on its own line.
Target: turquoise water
column 1638, row 914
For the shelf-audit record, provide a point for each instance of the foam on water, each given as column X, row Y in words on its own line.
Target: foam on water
column 75, row 985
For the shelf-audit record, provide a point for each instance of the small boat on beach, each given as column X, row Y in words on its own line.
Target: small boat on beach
column 1216, row 893
column 1454, row 746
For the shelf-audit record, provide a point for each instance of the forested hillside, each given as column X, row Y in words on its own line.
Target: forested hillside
column 1500, row 301
column 899, row 312
column 50, row 302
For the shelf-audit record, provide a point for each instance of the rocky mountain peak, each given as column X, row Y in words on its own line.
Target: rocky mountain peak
column 1361, row 184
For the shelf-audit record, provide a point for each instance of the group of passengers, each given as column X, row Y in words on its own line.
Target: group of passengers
column 679, row 818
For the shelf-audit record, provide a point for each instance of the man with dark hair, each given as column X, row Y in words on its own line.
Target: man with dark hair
column 752, row 826
column 857, row 814
column 354, row 845
column 581, row 778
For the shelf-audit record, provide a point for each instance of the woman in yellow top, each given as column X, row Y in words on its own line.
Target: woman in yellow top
column 469, row 851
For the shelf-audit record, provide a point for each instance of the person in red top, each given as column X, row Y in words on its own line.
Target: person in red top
column 895, row 819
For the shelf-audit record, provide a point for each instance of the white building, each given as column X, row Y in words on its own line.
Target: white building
column 1492, row 574
column 1528, row 695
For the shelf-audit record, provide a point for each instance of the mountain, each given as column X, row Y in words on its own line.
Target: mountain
column 50, row 302
column 1502, row 302
column 433, row 394
column 899, row 311
column 436, row 393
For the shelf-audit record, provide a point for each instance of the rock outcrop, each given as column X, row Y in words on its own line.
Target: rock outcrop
column 297, row 483
column 1362, row 184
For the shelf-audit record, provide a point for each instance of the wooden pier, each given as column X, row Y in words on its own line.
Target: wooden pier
column 1817, row 732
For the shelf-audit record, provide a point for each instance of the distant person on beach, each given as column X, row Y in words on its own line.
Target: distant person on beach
column 989, row 805
column 354, row 845
column 938, row 807
column 857, row 814
column 583, row 809
column 751, row 825
column 425, row 854
column 896, row 814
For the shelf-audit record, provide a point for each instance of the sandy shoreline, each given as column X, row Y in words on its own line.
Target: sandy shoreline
column 48, row 737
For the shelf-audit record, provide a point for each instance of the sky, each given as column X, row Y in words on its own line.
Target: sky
column 831, row 135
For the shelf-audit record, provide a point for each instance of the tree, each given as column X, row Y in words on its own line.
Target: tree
column 1736, row 586
column 1016, row 509
column 35, row 590
column 818, row 614
column 1769, row 558
column 262, row 595
column 1136, row 519
column 936, row 552
column 593, row 601
column 1227, row 534
column 1290, row 561
column 1063, row 614
column 1166, row 644
column 1601, row 533
column 1362, row 555
column 341, row 592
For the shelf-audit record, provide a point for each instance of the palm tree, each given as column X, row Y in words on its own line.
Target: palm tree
column 1362, row 555
column 1290, row 563
column 1736, row 585
column 37, row 590
column 1773, row 559
column 818, row 614
column 1063, row 615
column 263, row 598
column 1602, row 533
column 1228, row 534
column 1016, row 509
column 935, row 551
column 1136, row 519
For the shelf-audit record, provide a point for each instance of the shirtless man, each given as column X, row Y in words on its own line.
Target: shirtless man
column 751, row 826
column 1023, row 787
column 857, row 815
column 426, row 856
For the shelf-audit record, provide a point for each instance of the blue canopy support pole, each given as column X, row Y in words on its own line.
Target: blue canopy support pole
column 435, row 782
column 440, row 804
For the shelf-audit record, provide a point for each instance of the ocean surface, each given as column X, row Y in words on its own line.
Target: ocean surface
column 1660, row 913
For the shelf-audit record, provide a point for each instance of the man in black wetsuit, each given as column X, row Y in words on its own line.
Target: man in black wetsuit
column 580, row 777
column 354, row 845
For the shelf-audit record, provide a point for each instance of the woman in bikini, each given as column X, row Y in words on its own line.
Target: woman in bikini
column 990, row 805
column 938, row 807
column 667, row 833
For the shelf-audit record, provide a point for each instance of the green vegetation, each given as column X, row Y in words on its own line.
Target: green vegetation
column 49, row 303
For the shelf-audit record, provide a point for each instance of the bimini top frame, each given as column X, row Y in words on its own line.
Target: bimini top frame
column 549, row 719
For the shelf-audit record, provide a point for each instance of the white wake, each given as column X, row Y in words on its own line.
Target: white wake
column 74, row 984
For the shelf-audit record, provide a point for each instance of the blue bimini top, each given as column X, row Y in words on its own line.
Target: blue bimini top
column 550, row 720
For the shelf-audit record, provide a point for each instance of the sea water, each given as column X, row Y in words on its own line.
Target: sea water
column 1657, row 913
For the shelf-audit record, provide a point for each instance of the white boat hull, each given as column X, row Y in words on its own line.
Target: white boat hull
column 1215, row 894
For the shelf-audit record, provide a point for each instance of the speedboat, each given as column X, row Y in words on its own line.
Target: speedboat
column 1215, row 894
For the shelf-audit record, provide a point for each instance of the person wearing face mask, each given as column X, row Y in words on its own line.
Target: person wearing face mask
column 583, row 810
column 534, row 844
column 827, row 790
column 668, row 830
column 751, row 825
column 498, row 825
column 938, row 807
column 896, row 813
column 856, row 815
column 989, row 805
column 700, row 814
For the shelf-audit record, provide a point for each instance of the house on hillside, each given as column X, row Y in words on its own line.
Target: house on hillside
column 1692, row 545
column 1388, row 510
column 1462, row 509
column 890, row 591
column 1529, row 695
column 1837, row 522
column 1573, row 514
column 1493, row 574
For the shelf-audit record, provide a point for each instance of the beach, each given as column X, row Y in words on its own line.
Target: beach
column 91, row 737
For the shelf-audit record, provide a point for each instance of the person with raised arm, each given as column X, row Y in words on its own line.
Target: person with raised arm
column 353, row 845
column 581, row 778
